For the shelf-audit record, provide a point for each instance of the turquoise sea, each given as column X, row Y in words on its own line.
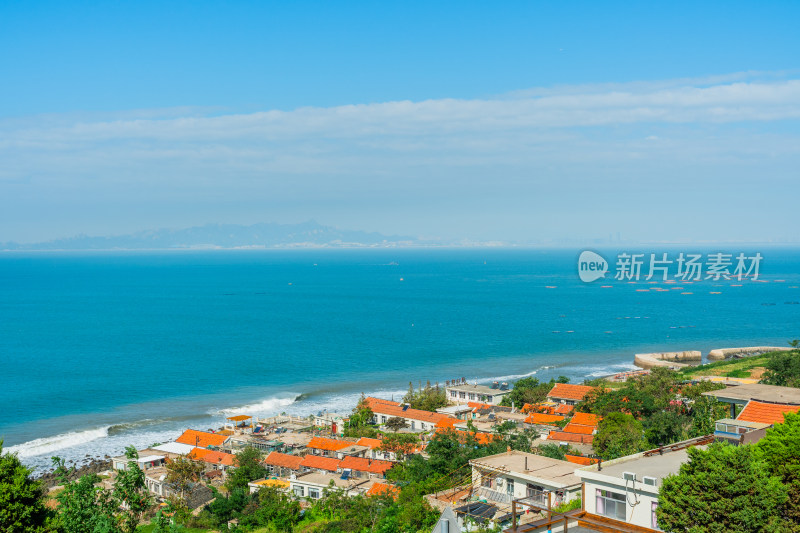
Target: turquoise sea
column 99, row 350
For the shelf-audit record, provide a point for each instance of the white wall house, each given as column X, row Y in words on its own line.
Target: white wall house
column 626, row 489
column 462, row 393
column 513, row 475
column 311, row 486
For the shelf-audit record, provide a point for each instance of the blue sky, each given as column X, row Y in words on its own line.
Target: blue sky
column 523, row 121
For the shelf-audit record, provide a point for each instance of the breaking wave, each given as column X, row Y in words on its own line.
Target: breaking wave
column 50, row 445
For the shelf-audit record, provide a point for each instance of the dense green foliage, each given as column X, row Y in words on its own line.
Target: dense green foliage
column 619, row 434
column 780, row 450
column 248, row 468
column 21, row 507
column 723, row 489
column 783, row 368
column 427, row 398
column 360, row 422
column 530, row 390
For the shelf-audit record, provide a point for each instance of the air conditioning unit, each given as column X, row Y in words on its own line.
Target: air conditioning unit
column 649, row 480
column 629, row 476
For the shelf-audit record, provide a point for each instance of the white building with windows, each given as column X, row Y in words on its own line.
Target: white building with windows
column 311, row 486
column 461, row 393
column 626, row 489
column 516, row 475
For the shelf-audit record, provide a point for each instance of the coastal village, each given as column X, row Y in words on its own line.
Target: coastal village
column 575, row 489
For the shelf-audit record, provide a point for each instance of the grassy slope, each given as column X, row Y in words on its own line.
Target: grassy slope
column 739, row 368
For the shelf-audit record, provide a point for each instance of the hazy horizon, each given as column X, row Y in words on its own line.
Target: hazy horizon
column 521, row 123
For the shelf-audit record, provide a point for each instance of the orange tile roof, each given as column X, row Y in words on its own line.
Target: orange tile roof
column 372, row 443
column 567, row 391
column 586, row 419
column 578, row 460
column 766, row 413
column 447, row 423
column 541, row 418
column 479, row 405
column 212, row 457
column 579, row 429
column 383, row 488
column 385, row 407
column 331, row 445
column 362, row 464
column 570, row 437
column 284, row 460
column 564, row 409
column 321, row 463
column 201, row 439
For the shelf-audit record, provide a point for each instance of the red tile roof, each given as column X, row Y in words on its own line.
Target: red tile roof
column 320, row 463
column 578, row 460
column 447, row 423
column 383, row 488
column 541, row 418
column 284, row 460
column 567, row 391
column 362, row 464
column 579, row 429
column 479, row 405
column 212, row 457
column 564, row 409
column 766, row 413
column 586, row 419
column 201, row 439
column 388, row 408
column 331, row 445
column 570, row 437
column 371, row 443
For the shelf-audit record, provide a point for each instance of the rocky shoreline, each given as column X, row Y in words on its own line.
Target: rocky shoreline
column 89, row 465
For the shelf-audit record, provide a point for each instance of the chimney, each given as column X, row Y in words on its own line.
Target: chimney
column 599, row 464
column 526, row 463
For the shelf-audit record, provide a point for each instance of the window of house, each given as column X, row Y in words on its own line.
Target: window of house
column 383, row 420
column 298, row 491
column 471, row 395
column 453, row 394
column 489, row 399
column 412, row 424
column 653, row 507
column 462, row 395
column 611, row 504
column 510, row 487
column 313, row 493
column 535, row 493
column 486, row 481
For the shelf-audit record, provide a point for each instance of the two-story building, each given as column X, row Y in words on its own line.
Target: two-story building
column 462, row 393
column 513, row 475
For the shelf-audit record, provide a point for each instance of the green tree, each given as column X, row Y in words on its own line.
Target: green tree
column 401, row 444
column 84, row 507
column 21, row 506
column 182, row 473
column 396, row 423
column 723, row 489
column 553, row 451
column 527, row 390
column 273, row 508
column 783, row 368
column 780, row 450
column 130, row 490
column 619, row 434
column 427, row 398
column 665, row 427
column 248, row 468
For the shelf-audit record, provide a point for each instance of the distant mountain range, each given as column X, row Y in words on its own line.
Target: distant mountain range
column 265, row 235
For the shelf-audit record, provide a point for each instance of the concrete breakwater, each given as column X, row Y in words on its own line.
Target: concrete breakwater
column 666, row 359
column 728, row 353
column 680, row 359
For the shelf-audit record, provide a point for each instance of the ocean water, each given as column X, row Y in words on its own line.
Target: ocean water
column 103, row 350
